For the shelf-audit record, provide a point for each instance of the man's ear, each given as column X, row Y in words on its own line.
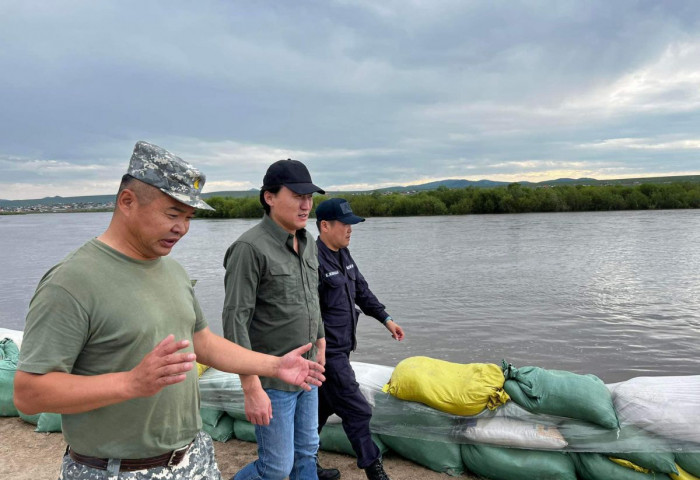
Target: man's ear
column 126, row 201
column 269, row 198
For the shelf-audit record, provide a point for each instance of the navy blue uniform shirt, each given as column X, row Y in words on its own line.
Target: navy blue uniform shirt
column 341, row 286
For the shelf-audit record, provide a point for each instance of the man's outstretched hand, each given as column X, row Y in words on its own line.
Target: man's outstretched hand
column 297, row 370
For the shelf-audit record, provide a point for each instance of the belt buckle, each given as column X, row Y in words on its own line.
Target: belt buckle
column 175, row 452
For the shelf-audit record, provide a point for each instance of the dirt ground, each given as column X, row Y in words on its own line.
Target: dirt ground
column 25, row 454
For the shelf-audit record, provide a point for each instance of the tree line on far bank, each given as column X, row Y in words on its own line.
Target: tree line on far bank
column 513, row 198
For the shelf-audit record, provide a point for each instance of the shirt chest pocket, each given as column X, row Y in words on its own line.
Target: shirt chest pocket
column 283, row 284
column 312, row 277
column 333, row 288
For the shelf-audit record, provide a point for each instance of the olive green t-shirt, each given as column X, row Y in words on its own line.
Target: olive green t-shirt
column 99, row 311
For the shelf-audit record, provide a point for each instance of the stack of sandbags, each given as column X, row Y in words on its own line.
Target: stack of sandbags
column 9, row 358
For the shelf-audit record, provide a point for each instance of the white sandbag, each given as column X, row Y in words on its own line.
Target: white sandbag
column 510, row 432
column 666, row 406
column 371, row 378
column 14, row 335
column 222, row 391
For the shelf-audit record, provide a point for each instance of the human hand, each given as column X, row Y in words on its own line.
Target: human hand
column 396, row 331
column 321, row 351
column 258, row 408
column 297, row 370
column 161, row 367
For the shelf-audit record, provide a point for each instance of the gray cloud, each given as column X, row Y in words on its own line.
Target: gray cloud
column 366, row 93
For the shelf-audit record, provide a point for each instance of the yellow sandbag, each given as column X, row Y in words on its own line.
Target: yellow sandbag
column 628, row 464
column 201, row 368
column 460, row 389
column 682, row 475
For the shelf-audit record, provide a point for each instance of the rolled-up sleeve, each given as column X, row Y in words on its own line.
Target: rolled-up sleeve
column 243, row 271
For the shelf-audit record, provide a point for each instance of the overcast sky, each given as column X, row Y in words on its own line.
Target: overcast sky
column 367, row 93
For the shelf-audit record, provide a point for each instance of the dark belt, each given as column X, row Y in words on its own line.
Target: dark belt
column 169, row 459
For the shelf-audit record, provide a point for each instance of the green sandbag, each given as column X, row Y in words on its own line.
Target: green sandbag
column 237, row 415
column 690, row 462
column 334, row 439
column 437, row 456
column 9, row 356
column 45, row 422
column 501, row 463
column 244, row 431
column 629, row 443
column 561, row 393
column 596, row 466
column 49, row 422
column 217, row 424
column 210, row 416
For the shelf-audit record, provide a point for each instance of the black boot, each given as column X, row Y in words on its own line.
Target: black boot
column 376, row 471
column 326, row 473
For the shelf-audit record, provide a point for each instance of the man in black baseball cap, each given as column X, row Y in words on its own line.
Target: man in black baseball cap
column 342, row 286
column 271, row 305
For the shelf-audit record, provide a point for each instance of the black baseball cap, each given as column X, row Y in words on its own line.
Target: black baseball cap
column 292, row 174
column 337, row 209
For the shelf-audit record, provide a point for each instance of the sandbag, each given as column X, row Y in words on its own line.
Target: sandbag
column 629, row 443
column 664, row 406
column 660, row 462
column 49, row 422
column 595, row 466
column 460, row 389
column 628, row 464
column 9, row 356
column 45, row 422
column 244, row 430
column 201, row 368
column 437, row 456
column 690, row 462
column 217, row 424
column 500, row 463
column 334, row 439
column 682, row 475
column 557, row 392
column 510, row 432
column 371, row 378
column 14, row 335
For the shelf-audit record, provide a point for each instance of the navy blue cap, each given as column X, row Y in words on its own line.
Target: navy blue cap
column 292, row 174
column 337, row 209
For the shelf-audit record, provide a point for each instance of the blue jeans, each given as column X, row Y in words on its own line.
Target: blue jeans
column 287, row 446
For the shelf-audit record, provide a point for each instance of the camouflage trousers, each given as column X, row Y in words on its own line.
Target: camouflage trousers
column 198, row 464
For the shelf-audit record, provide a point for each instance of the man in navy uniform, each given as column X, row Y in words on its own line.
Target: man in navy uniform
column 341, row 287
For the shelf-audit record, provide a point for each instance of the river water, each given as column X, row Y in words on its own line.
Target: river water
column 616, row 294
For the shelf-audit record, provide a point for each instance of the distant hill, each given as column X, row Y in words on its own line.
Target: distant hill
column 103, row 199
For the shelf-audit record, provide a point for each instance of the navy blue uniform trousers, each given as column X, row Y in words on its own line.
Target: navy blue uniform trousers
column 340, row 394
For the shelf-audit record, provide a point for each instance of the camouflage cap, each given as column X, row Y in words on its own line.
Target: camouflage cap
column 168, row 173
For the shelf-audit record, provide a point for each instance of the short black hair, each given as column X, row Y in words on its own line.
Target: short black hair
column 143, row 191
column 274, row 190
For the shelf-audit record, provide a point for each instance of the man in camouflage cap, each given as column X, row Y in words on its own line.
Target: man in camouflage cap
column 113, row 332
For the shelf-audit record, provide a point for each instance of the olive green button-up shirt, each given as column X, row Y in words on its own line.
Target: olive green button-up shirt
column 271, row 304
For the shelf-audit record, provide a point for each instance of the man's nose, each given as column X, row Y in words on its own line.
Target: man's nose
column 180, row 227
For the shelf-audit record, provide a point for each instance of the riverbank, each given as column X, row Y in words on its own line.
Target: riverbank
column 25, row 454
